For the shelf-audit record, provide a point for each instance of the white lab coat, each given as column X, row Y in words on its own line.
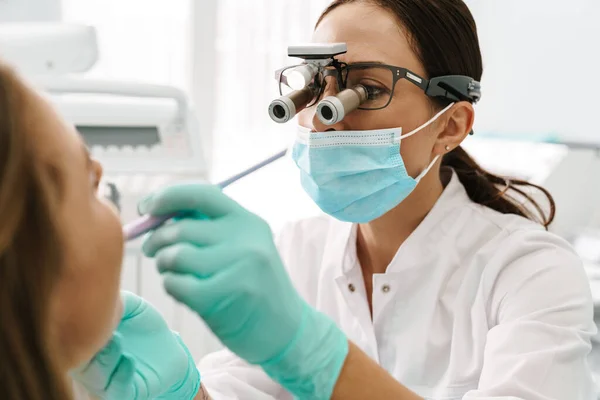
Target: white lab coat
column 475, row 305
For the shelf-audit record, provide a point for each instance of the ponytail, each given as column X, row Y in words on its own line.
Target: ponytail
column 497, row 192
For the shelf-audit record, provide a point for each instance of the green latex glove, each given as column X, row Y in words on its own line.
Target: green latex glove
column 143, row 360
column 221, row 261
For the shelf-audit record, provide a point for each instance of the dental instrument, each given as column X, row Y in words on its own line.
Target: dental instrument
column 147, row 223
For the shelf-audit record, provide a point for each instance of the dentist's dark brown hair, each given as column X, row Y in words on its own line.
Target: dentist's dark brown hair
column 444, row 37
column 30, row 261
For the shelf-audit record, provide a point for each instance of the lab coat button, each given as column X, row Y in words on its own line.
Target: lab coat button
column 351, row 287
column 386, row 288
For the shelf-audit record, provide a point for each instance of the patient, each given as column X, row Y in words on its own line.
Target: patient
column 61, row 249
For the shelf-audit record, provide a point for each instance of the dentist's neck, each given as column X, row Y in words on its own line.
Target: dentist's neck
column 378, row 241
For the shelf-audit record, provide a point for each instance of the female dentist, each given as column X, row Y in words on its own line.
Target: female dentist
column 429, row 281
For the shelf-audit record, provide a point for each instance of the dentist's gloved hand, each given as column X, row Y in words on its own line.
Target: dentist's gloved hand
column 221, row 261
column 143, row 360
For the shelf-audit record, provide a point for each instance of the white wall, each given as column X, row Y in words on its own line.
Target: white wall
column 541, row 60
column 30, row 10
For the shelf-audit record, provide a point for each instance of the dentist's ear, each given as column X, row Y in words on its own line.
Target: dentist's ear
column 456, row 125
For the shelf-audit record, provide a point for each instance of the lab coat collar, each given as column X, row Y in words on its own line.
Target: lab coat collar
column 340, row 252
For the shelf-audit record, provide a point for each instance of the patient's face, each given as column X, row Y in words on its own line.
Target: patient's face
column 86, row 304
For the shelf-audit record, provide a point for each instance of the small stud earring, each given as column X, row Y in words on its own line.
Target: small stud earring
column 447, row 148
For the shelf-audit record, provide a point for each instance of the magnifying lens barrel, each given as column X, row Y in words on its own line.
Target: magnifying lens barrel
column 286, row 107
column 333, row 109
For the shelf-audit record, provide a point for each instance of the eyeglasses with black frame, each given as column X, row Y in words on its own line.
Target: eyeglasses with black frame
column 380, row 82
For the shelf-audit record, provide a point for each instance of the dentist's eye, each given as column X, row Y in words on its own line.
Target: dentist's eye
column 376, row 92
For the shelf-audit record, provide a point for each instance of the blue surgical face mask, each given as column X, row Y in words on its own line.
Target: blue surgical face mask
column 356, row 176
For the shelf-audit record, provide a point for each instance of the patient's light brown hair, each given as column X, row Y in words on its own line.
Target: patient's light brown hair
column 30, row 259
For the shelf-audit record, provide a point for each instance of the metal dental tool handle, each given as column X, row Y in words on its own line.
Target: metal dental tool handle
column 148, row 223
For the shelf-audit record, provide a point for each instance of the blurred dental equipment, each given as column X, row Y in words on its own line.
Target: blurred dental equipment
column 48, row 48
column 110, row 192
column 128, row 126
column 139, row 127
column 147, row 223
column 365, row 86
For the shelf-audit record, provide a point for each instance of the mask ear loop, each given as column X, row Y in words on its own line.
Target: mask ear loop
column 426, row 124
column 422, row 174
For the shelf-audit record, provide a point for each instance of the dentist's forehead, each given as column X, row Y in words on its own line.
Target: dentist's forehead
column 372, row 34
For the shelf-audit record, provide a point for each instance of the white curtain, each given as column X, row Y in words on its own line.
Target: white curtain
column 252, row 41
column 251, row 44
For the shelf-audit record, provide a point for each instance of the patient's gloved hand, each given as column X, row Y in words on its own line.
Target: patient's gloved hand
column 221, row 261
column 143, row 360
